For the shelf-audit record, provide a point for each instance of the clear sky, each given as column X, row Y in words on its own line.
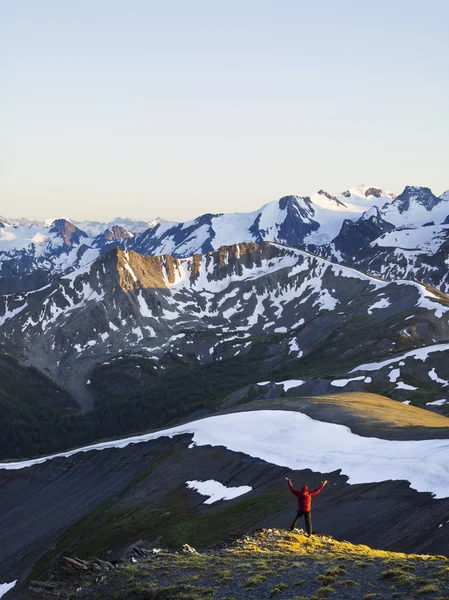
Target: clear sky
column 175, row 108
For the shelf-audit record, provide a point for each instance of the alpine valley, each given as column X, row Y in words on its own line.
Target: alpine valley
column 320, row 322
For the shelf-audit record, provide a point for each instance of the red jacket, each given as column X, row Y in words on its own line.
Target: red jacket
column 304, row 496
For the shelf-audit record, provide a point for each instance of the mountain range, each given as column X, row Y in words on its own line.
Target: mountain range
column 366, row 227
column 323, row 319
column 318, row 290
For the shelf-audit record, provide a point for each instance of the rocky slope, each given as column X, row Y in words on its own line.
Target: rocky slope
column 129, row 334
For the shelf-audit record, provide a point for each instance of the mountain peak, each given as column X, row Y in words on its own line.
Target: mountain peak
column 416, row 190
column 69, row 232
column 416, row 195
column 112, row 235
column 368, row 191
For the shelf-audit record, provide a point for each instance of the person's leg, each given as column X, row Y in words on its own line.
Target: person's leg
column 308, row 519
column 295, row 520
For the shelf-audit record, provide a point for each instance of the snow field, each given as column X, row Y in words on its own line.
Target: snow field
column 425, row 239
column 276, row 436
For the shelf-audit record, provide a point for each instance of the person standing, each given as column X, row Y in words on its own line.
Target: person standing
column 304, row 504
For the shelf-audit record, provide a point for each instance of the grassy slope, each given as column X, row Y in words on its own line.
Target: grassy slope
column 274, row 563
column 365, row 414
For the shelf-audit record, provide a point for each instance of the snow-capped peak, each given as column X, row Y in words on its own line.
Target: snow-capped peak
column 327, row 201
column 49, row 222
column 416, row 206
column 370, row 193
column 371, row 212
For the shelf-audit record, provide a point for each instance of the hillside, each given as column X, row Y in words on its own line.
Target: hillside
column 269, row 563
column 205, row 481
column 128, row 337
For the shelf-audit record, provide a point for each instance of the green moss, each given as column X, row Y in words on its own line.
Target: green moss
column 399, row 575
column 325, row 579
column 278, row 589
column 224, row 575
column 255, row 580
column 427, row 589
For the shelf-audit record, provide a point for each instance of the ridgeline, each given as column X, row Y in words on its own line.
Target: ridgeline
column 268, row 563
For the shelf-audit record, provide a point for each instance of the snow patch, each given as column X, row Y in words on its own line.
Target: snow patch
column 5, row 587
column 9, row 314
column 291, row 383
column 382, row 303
column 405, row 386
column 216, row 490
column 293, row 347
column 343, row 382
column 437, row 402
column 418, row 354
column 394, row 375
column 281, row 330
column 434, row 377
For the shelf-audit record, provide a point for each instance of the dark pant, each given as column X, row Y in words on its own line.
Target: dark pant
column 307, row 517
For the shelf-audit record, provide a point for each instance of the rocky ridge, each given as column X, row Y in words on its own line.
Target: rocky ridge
column 260, row 565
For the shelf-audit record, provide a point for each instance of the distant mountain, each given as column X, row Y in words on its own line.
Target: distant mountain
column 407, row 238
column 24, row 222
column 350, row 228
column 30, row 255
column 134, row 226
column 367, row 195
column 111, row 237
column 32, row 252
column 416, row 206
column 292, row 220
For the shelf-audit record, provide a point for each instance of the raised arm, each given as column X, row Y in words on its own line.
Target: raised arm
column 318, row 489
column 290, row 485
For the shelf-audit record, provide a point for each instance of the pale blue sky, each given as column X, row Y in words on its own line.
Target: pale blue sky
column 143, row 108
